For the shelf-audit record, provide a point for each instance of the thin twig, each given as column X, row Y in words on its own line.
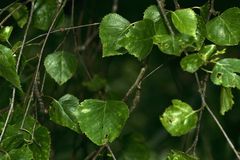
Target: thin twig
column 111, row 152
column 7, row 7
column 177, row 6
column 62, row 30
column 224, row 133
column 98, row 152
column 17, row 68
column 136, row 83
column 163, row 13
column 41, row 54
column 115, row 6
column 12, row 12
column 152, row 72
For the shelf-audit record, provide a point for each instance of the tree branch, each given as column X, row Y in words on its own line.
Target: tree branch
column 17, row 68
column 163, row 13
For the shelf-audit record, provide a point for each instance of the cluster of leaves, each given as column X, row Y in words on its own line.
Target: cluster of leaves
column 102, row 121
column 184, row 31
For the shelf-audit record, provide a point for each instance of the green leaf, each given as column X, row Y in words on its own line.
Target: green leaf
column 61, row 66
column 179, row 118
column 185, row 21
column 65, row 111
column 135, row 148
column 44, row 12
column 226, row 100
column 112, row 28
column 201, row 33
column 224, row 29
column 5, row 33
column 191, row 63
column 178, row 155
column 204, row 11
column 152, row 13
column 102, row 121
column 225, row 73
column 8, row 66
column 207, row 51
column 23, row 153
column 138, row 41
column 41, row 147
column 20, row 13
column 172, row 45
column 95, row 84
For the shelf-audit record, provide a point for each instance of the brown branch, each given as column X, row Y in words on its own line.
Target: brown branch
column 136, row 83
column 163, row 13
column 111, row 152
column 176, row 4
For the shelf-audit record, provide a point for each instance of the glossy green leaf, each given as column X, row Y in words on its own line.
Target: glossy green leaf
column 185, row 21
column 138, row 41
column 102, row 121
column 95, row 84
column 7, row 66
column 20, row 13
column 65, row 111
column 201, row 34
column 23, row 153
column 178, row 155
column 61, row 66
column 225, row 73
column 204, row 11
column 12, row 141
column 41, row 147
column 179, row 118
column 224, row 30
column 5, row 33
column 134, row 148
column 207, row 51
column 172, row 45
column 112, row 28
column 226, row 100
column 44, row 12
column 192, row 63
column 152, row 13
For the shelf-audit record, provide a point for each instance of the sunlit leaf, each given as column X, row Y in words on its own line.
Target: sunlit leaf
column 226, row 100
column 138, row 41
column 185, row 21
column 44, row 12
column 192, row 63
column 5, row 33
column 225, row 73
column 224, row 30
column 178, row 155
column 179, row 118
column 113, row 27
column 152, row 13
column 20, row 13
column 207, row 51
column 61, row 66
column 201, row 33
column 102, row 121
column 172, row 44
column 7, row 66
column 65, row 111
